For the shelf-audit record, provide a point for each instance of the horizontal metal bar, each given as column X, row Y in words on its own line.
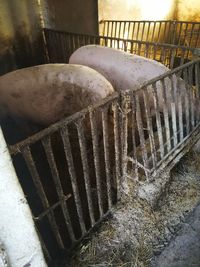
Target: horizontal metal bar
column 39, row 217
column 14, row 149
column 165, row 45
column 152, row 21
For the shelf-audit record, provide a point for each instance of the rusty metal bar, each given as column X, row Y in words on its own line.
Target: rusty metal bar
column 159, row 30
column 150, row 126
column 84, row 158
column 180, row 111
column 158, row 120
column 39, row 187
column 187, row 104
column 173, row 108
column 107, row 155
column 153, row 31
column 96, row 160
column 117, row 131
column 166, row 114
column 134, row 127
column 191, row 95
column 142, row 35
column 68, row 154
column 141, row 135
column 55, row 175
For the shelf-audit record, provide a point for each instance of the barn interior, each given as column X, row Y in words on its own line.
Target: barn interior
column 138, row 229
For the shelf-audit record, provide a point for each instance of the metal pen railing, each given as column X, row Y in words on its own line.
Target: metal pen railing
column 60, row 45
column 184, row 33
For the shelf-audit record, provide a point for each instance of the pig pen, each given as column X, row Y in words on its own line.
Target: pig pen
column 73, row 183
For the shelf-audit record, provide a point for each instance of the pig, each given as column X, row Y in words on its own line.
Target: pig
column 46, row 93
column 125, row 71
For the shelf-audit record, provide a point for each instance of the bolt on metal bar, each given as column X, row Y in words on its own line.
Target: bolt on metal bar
column 36, row 179
column 86, row 173
column 96, row 153
column 68, row 154
column 46, row 142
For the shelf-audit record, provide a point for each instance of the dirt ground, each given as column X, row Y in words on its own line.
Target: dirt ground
column 137, row 234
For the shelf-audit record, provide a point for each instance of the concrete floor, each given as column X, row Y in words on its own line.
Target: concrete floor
column 184, row 249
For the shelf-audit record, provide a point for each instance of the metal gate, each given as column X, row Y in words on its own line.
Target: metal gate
column 74, row 173
column 184, row 33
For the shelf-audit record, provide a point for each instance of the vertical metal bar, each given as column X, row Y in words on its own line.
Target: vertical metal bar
column 119, row 33
column 124, row 30
column 150, row 127
column 141, row 39
column 96, row 161
column 84, row 158
column 197, row 38
column 129, row 24
column 117, row 146
column 125, row 100
column 138, row 30
column 158, row 120
column 141, row 135
column 116, row 23
column 107, row 154
column 173, row 31
column 133, row 126
column 179, row 33
column 70, row 163
column 159, row 29
column 149, row 23
column 197, row 87
column 133, row 32
column 164, row 33
column 187, row 104
column 173, row 52
column 166, row 114
column 191, row 95
column 173, row 107
column 112, row 24
column 55, row 175
column 153, row 32
column 40, row 191
column 108, row 24
column 180, row 110
column 104, row 27
column 191, row 34
column 185, row 35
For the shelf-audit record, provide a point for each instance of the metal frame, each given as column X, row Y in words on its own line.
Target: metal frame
column 92, row 150
column 186, row 33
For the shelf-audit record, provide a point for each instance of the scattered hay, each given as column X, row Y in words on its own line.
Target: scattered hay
column 136, row 232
